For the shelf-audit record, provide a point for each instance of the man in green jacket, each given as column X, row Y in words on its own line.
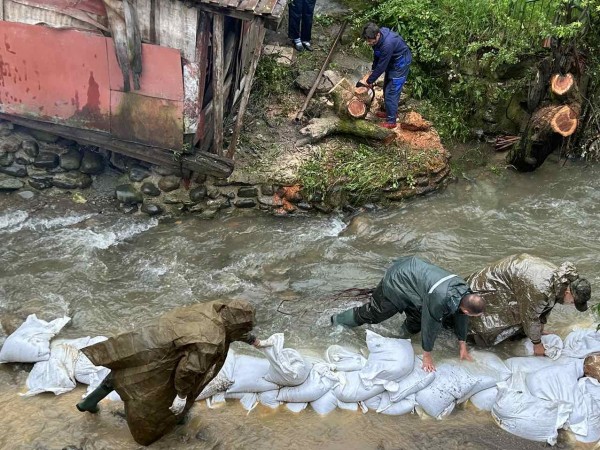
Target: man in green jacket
column 523, row 289
column 427, row 294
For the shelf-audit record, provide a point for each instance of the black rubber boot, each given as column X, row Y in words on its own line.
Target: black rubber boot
column 90, row 403
column 344, row 318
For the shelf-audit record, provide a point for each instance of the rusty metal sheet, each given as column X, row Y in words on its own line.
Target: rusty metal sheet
column 53, row 75
column 153, row 121
column 91, row 6
column 162, row 74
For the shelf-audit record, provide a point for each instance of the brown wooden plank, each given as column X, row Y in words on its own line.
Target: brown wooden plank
column 218, row 78
column 202, row 40
column 248, row 5
column 257, row 23
column 265, row 7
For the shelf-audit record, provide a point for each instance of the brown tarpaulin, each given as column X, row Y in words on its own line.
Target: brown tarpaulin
column 177, row 353
column 523, row 291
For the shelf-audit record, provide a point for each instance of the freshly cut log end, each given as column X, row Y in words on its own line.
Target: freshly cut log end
column 564, row 121
column 562, row 84
column 364, row 94
column 357, row 109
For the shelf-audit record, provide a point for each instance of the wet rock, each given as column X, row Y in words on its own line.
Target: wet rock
column 10, row 183
column 305, row 206
column 30, row 147
column 6, row 159
column 229, row 195
column 72, row 180
column 218, row 203
column 46, row 160
column 169, row 183
column 26, row 195
column 166, row 171
column 245, row 203
column 71, row 447
column 128, row 195
column 213, row 192
column 272, row 201
column 337, row 197
column 23, row 158
column 175, row 197
column 196, row 208
column 56, row 169
column 92, row 163
column 307, row 78
column 152, row 209
column 40, row 184
column 71, row 160
column 10, row 144
column 267, row 189
column 150, row 189
column 128, row 208
column 209, row 213
column 16, row 170
column 198, row 194
column 326, row 209
column 138, row 173
column 39, row 174
column 6, row 128
column 247, row 192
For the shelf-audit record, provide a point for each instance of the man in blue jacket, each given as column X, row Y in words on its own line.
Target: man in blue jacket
column 427, row 294
column 391, row 56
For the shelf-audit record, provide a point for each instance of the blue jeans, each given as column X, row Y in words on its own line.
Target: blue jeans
column 301, row 19
column 393, row 83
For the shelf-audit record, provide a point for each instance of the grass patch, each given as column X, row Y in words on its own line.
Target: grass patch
column 362, row 171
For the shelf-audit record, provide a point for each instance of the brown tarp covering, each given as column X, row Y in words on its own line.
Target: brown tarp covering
column 524, row 289
column 177, row 353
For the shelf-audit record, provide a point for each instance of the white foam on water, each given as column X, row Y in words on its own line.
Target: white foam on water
column 13, row 222
column 12, row 219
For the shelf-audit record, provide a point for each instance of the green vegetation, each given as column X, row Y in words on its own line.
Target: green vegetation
column 452, row 38
column 362, row 171
column 271, row 81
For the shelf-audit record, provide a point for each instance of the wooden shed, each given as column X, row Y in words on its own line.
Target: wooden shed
column 152, row 79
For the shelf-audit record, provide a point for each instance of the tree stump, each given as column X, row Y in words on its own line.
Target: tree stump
column 561, row 85
column 319, row 128
column 561, row 119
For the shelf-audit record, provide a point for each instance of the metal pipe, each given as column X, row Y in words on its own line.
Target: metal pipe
column 323, row 68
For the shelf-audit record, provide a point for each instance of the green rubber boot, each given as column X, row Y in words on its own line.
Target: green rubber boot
column 90, row 403
column 345, row 318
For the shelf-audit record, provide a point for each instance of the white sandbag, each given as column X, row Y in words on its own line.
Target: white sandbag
column 553, row 346
column 222, row 381
column 348, row 406
column 325, row 404
column 216, row 400
column 320, row 380
column 487, row 368
column 415, row 381
column 559, row 383
column 484, row 400
column 296, row 407
column 30, row 342
column 269, row 399
column 344, row 360
column 590, row 389
column 85, row 370
column 249, row 374
column 288, row 367
column 404, row 406
column 528, row 364
column 389, row 361
column 373, row 402
column 249, row 401
column 352, row 389
column 581, row 343
column 56, row 375
column 451, row 383
column 522, row 414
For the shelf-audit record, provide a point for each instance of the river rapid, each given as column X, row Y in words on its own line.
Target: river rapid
column 110, row 271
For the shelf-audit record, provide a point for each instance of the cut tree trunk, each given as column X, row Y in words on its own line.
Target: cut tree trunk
column 561, row 85
column 356, row 109
column 561, row 119
column 317, row 129
column 350, row 101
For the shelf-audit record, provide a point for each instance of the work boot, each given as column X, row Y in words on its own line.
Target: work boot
column 381, row 114
column 344, row 318
column 388, row 125
column 404, row 333
column 90, row 403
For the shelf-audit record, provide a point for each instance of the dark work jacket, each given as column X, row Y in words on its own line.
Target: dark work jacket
column 390, row 52
column 407, row 284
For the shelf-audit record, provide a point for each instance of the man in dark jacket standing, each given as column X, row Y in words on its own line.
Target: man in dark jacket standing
column 523, row 289
column 427, row 294
column 391, row 56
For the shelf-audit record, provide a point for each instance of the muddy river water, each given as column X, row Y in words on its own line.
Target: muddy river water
column 111, row 271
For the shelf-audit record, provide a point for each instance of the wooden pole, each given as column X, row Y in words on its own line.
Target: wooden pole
column 247, row 86
column 202, row 40
column 218, row 76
